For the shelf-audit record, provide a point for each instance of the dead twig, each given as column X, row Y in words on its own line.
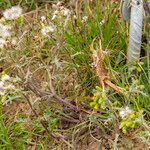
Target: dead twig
column 33, row 86
column 44, row 123
column 35, row 113
column 54, row 92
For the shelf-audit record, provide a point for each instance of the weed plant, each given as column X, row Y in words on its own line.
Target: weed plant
column 56, row 100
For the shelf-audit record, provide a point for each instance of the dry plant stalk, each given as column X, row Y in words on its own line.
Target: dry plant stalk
column 98, row 58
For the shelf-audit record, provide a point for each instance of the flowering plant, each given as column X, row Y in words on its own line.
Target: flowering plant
column 128, row 119
column 99, row 99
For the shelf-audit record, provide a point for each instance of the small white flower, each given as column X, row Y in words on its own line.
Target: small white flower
column 2, row 43
column 56, row 12
column 54, row 16
column 56, row 62
column 2, row 93
column 13, row 13
column 93, row 65
column 66, row 12
column 14, row 41
column 1, row 84
column 61, row 8
column 84, row 19
column 47, row 29
column 56, row 6
column 43, row 18
column 124, row 112
column 74, row 17
column 58, row 3
column 4, row 33
column 102, row 22
column 5, row 78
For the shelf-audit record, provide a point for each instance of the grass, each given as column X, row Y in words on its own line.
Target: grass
column 65, row 60
column 30, row 4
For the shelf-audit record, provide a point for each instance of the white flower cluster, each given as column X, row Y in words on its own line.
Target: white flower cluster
column 5, row 85
column 5, row 34
column 43, row 18
column 61, row 13
column 66, row 12
column 4, row 31
column 2, row 43
column 12, row 13
column 48, row 29
column 125, row 112
column 84, row 19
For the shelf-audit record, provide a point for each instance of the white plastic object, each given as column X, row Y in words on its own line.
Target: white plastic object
column 133, row 12
column 126, row 9
column 135, row 32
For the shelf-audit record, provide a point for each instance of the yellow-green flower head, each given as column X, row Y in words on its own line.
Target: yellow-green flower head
column 3, row 73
